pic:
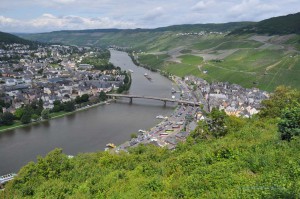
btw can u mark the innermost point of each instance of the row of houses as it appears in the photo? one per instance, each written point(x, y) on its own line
point(50, 73)
point(232, 98)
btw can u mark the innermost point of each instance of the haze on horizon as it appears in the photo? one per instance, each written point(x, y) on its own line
point(50, 15)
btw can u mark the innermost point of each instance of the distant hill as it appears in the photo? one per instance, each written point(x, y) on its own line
point(136, 38)
point(282, 25)
point(9, 38)
point(263, 54)
point(221, 27)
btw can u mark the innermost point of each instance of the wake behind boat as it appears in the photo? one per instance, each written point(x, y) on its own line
point(147, 76)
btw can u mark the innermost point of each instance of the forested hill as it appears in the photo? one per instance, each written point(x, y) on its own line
point(221, 27)
point(252, 158)
point(9, 38)
point(289, 24)
point(143, 38)
point(214, 27)
point(139, 38)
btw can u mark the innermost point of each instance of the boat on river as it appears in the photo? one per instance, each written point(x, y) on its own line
point(147, 76)
point(161, 117)
point(8, 177)
point(142, 131)
point(111, 145)
point(174, 91)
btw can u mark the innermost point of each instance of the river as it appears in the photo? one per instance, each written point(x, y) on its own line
point(92, 129)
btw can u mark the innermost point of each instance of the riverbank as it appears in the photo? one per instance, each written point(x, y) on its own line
point(172, 129)
point(162, 72)
point(53, 116)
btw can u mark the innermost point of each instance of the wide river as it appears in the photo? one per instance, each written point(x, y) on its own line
point(92, 129)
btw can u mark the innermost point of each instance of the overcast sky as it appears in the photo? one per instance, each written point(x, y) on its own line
point(49, 15)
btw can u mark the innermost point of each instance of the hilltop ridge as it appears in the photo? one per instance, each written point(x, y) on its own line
point(282, 25)
point(8, 38)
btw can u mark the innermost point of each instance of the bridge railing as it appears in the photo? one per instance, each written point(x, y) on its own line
point(155, 98)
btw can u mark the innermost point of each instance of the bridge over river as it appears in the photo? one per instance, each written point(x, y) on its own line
point(165, 100)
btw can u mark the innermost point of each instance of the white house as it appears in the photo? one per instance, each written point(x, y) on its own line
point(10, 82)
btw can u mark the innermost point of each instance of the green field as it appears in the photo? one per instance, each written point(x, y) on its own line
point(208, 42)
point(153, 61)
point(249, 66)
point(294, 41)
point(189, 65)
point(265, 69)
point(238, 44)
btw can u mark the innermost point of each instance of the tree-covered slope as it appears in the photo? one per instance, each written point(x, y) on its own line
point(9, 38)
point(249, 160)
point(289, 24)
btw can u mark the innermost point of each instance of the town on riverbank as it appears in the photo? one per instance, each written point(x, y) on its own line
point(52, 80)
point(230, 98)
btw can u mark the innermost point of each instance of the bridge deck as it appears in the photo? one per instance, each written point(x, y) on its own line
point(155, 98)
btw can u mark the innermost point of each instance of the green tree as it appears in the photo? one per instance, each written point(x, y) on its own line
point(19, 113)
point(57, 106)
point(69, 106)
point(282, 98)
point(34, 105)
point(40, 103)
point(217, 124)
point(120, 89)
point(289, 125)
point(26, 118)
point(85, 98)
point(7, 118)
point(35, 117)
point(78, 100)
point(126, 79)
point(46, 114)
point(214, 126)
point(102, 96)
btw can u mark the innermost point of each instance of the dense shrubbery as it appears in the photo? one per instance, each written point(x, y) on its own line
point(65, 106)
point(215, 126)
point(102, 96)
point(127, 83)
point(82, 99)
point(249, 160)
point(100, 61)
point(28, 112)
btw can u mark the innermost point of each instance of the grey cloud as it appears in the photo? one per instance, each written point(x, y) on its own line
point(154, 13)
point(80, 14)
